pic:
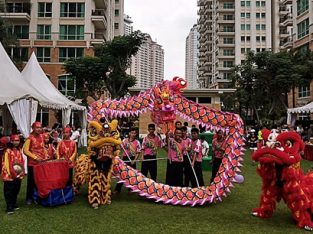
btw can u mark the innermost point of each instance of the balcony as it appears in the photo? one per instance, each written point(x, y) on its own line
point(285, 2)
point(221, 8)
point(18, 13)
point(98, 38)
point(286, 21)
point(99, 19)
point(286, 43)
point(226, 33)
point(283, 11)
point(101, 4)
point(222, 20)
point(283, 33)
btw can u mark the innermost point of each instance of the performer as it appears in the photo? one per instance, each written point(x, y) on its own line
point(218, 150)
point(67, 150)
point(196, 157)
point(175, 162)
point(187, 167)
point(35, 151)
point(132, 148)
point(3, 145)
point(150, 146)
point(12, 173)
point(49, 147)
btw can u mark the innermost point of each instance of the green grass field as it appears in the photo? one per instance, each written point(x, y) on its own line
point(133, 214)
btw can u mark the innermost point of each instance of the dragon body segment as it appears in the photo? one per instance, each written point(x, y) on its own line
point(165, 101)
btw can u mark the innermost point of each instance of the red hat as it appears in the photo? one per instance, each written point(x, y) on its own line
point(14, 137)
point(4, 140)
point(36, 124)
point(67, 130)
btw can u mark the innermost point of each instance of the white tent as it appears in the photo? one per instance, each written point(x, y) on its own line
point(37, 79)
point(292, 112)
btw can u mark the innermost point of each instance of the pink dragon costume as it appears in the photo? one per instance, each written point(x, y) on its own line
point(165, 101)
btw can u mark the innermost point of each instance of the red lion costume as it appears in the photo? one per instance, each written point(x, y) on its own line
point(283, 178)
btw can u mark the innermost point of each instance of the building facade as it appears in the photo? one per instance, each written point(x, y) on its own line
point(228, 29)
point(61, 29)
point(148, 64)
point(191, 62)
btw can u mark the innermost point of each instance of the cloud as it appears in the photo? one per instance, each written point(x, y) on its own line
point(168, 22)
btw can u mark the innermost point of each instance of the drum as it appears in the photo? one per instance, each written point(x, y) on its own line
point(51, 175)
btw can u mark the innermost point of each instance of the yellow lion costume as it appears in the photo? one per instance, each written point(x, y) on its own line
point(95, 168)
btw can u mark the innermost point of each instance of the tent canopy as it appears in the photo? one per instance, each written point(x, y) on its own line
point(37, 79)
point(308, 108)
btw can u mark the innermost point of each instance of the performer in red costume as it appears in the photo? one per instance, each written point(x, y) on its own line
point(35, 151)
point(67, 150)
point(12, 173)
point(49, 147)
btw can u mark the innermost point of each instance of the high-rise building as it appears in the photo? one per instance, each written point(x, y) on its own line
point(148, 64)
point(128, 28)
point(228, 29)
point(191, 63)
point(58, 30)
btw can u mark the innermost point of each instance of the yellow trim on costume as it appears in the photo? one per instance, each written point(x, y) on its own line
point(26, 150)
point(6, 163)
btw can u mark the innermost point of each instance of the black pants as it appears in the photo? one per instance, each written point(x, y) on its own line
point(149, 166)
point(174, 173)
point(11, 189)
point(186, 171)
point(30, 183)
point(118, 186)
point(198, 170)
point(70, 176)
point(215, 166)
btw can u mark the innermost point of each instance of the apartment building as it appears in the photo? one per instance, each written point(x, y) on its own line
point(148, 64)
point(128, 27)
point(228, 29)
point(191, 59)
point(61, 29)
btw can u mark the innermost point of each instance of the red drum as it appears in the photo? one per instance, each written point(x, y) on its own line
point(51, 175)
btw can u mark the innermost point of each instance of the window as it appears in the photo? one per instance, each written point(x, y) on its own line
point(71, 32)
point(243, 26)
point(228, 5)
point(248, 27)
point(257, 4)
point(228, 40)
point(19, 31)
point(248, 50)
point(117, 13)
point(228, 64)
point(303, 28)
point(263, 15)
point(67, 85)
point(263, 38)
point(302, 6)
point(258, 38)
point(227, 76)
point(228, 17)
point(243, 50)
point(43, 31)
point(117, 1)
point(227, 52)
point(243, 3)
point(43, 54)
point(258, 26)
point(67, 53)
point(248, 3)
point(76, 10)
point(304, 91)
point(44, 9)
point(19, 54)
point(243, 15)
point(263, 26)
point(263, 3)
point(243, 39)
point(248, 15)
point(228, 29)
point(248, 38)
point(116, 25)
point(204, 99)
point(18, 7)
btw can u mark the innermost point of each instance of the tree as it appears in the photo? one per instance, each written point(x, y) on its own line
point(107, 70)
point(6, 39)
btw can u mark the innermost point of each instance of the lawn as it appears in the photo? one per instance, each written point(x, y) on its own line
point(133, 214)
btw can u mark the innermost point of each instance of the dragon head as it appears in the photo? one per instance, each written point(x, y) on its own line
point(105, 137)
point(164, 96)
point(282, 149)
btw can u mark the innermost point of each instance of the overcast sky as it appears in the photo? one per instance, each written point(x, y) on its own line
point(168, 22)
